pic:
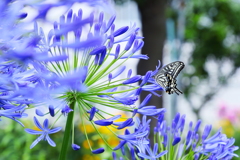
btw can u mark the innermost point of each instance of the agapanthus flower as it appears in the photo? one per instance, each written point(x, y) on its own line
point(43, 131)
point(175, 141)
point(76, 70)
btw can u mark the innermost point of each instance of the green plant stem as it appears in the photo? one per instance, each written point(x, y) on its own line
point(67, 133)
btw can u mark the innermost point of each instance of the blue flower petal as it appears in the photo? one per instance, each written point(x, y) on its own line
point(98, 151)
point(133, 79)
point(103, 122)
point(75, 147)
point(50, 141)
point(39, 112)
point(36, 141)
point(37, 123)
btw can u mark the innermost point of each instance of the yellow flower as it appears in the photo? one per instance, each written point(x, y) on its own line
point(89, 128)
point(85, 144)
point(113, 141)
point(87, 157)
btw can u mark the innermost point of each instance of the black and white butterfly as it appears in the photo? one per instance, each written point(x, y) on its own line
point(166, 77)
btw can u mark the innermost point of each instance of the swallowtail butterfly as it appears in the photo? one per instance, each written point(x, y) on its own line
point(166, 76)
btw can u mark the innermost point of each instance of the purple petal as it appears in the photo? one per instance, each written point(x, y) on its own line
point(151, 112)
point(114, 117)
point(83, 44)
point(51, 110)
point(155, 148)
point(206, 132)
point(53, 58)
point(36, 141)
point(45, 124)
point(50, 141)
point(133, 79)
point(126, 123)
point(152, 87)
point(118, 72)
point(130, 42)
point(31, 131)
point(36, 122)
point(110, 22)
point(146, 77)
point(120, 145)
point(98, 151)
point(137, 46)
point(55, 130)
point(98, 50)
point(39, 112)
point(161, 154)
point(145, 101)
point(129, 73)
point(117, 51)
point(103, 122)
point(197, 126)
point(103, 54)
point(92, 113)
point(120, 31)
point(75, 147)
point(176, 140)
point(66, 110)
point(114, 156)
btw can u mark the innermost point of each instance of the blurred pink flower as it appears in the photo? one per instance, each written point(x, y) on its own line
point(229, 113)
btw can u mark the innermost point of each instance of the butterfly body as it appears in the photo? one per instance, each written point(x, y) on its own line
point(166, 77)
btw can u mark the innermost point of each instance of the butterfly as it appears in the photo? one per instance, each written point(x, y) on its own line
point(166, 77)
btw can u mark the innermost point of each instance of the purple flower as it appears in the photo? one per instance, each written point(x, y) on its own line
point(92, 113)
point(51, 110)
point(107, 122)
point(217, 146)
point(39, 113)
point(98, 151)
point(130, 42)
point(44, 132)
point(70, 68)
point(120, 31)
point(66, 110)
point(13, 112)
point(152, 153)
point(126, 123)
point(75, 147)
point(103, 122)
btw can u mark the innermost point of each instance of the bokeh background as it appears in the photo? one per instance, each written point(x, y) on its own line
point(205, 35)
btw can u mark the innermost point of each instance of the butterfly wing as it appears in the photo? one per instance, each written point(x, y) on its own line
point(161, 78)
point(172, 69)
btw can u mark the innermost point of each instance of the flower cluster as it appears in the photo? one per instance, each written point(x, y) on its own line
point(76, 70)
point(170, 142)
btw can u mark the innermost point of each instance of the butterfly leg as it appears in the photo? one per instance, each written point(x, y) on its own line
point(177, 91)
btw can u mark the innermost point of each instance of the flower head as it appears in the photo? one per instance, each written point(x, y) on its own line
point(43, 131)
point(77, 68)
point(171, 142)
point(171, 138)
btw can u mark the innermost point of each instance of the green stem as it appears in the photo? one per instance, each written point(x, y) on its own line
point(67, 133)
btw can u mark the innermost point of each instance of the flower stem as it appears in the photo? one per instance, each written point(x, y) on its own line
point(67, 133)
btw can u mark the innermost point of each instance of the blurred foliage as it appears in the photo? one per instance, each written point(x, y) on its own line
point(15, 143)
point(212, 30)
point(213, 27)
